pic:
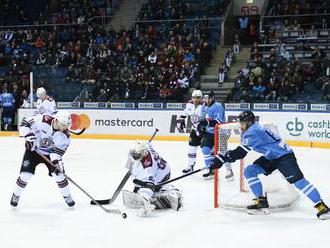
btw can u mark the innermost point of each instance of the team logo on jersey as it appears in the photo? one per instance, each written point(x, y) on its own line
point(46, 142)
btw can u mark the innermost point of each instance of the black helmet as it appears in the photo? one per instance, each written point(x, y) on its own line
point(209, 94)
point(246, 116)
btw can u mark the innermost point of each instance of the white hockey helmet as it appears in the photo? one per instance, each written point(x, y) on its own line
point(138, 150)
point(41, 92)
point(64, 120)
point(197, 94)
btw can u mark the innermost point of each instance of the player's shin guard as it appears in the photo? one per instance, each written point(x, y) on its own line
point(21, 183)
point(308, 190)
point(251, 173)
point(63, 185)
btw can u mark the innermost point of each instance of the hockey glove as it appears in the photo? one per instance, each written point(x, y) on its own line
point(217, 162)
point(201, 127)
point(181, 124)
point(59, 167)
point(29, 141)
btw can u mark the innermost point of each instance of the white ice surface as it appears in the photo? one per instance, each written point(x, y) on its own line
point(43, 220)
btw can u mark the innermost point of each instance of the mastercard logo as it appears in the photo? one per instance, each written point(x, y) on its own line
point(80, 121)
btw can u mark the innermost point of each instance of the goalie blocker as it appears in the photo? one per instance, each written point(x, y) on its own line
point(148, 170)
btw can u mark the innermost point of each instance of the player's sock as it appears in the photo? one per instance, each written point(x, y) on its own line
point(21, 182)
point(192, 153)
point(309, 190)
point(251, 173)
point(63, 185)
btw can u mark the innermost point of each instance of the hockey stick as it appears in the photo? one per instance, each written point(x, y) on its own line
point(183, 176)
point(78, 133)
point(110, 211)
point(122, 183)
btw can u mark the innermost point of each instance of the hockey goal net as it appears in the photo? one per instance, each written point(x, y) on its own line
point(236, 195)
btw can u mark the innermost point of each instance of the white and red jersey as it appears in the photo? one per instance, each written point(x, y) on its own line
point(48, 140)
point(194, 111)
point(46, 106)
point(151, 168)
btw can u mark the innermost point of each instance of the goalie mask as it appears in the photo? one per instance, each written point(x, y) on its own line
point(138, 150)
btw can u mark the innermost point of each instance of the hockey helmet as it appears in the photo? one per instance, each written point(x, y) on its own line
point(246, 116)
point(197, 94)
point(208, 95)
point(41, 92)
point(64, 120)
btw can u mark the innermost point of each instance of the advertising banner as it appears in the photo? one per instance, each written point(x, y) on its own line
point(293, 126)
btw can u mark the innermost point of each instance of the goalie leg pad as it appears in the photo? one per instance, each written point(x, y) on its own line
point(168, 197)
point(139, 201)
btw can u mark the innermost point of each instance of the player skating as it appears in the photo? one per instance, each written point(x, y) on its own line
point(193, 109)
point(276, 156)
point(148, 170)
point(45, 105)
point(49, 136)
point(213, 113)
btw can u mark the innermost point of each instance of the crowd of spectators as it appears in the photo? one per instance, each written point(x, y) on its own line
point(150, 61)
point(282, 75)
point(278, 78)
point(76, 11)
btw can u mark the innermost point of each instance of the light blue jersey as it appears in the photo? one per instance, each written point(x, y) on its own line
point(214, 112)
point(264, 141)
point(7, 99)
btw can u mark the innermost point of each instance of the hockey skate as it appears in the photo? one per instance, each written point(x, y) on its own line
point(323, 211)
point(190, 168)
point(69, 201)
point(209, 174)
point(14, 200)
point(259, 207)
point(229, 175)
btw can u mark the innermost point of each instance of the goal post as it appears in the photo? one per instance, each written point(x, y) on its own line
point(237, 195)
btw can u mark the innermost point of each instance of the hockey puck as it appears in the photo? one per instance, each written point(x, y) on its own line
point(124, 215)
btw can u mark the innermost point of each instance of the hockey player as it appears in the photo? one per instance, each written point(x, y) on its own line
point(193, 109)
point(148, 170)
point(45, 104)
point(49, 136)
point(213, 113)
point(7, 101)
point(277, 155)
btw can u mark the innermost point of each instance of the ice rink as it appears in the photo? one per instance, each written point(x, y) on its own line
point(42, 219)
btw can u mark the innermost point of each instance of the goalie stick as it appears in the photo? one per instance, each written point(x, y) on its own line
point(182, 176)
point(110, 211)
point(121, 185)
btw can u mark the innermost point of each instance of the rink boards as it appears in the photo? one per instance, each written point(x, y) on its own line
point(311, 129)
